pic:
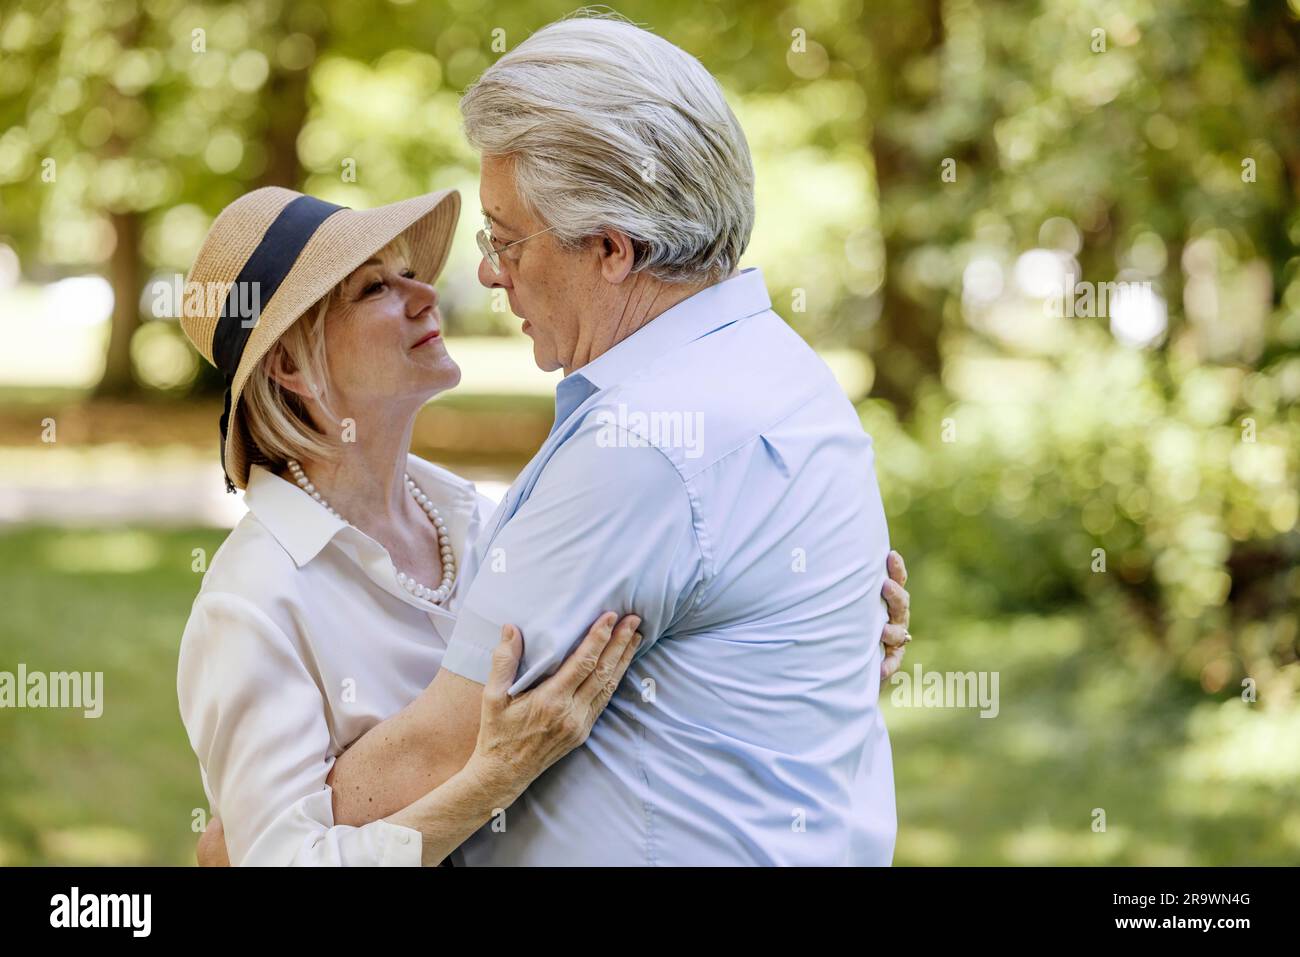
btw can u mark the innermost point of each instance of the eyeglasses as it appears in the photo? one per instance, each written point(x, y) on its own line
point(488, 247)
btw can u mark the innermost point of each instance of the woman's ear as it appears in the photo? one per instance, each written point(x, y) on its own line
point(617, 254)
point(282, 369)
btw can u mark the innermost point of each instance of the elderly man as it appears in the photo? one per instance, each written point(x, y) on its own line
point(704, 467)
point(705, 472)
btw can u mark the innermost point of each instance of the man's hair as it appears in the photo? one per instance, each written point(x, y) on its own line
point(610, 126)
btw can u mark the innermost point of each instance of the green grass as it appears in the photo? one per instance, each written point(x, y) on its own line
point(1182, 778)
point(1078, 730)
point(119, 788)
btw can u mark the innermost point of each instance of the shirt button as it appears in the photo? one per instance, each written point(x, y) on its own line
point(404, 838)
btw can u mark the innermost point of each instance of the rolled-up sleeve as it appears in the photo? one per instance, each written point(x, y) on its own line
point(256, 720)
point(608, 527)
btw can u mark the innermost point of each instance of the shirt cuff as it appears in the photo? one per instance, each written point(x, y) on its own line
point(305, 835)
point(404, 846)
point(470, 652)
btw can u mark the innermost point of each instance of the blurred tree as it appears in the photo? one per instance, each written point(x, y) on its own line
point(125, 268)
point(907, 41)
point(139, 111)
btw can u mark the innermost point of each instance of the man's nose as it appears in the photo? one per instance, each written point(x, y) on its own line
point(489, 277)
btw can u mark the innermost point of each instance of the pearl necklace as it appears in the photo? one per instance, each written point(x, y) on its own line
point(435, 595)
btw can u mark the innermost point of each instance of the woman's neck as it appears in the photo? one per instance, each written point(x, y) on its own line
point(365, 482)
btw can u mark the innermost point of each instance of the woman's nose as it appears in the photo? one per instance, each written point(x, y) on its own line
point(421, 298)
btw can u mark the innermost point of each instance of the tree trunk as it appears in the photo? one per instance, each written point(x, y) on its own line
point(125, 269)
point(286, 100)
point(905, 340)
point(125, 274)
point(286, 95)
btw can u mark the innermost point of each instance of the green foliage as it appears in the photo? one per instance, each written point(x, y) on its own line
point(1108, 475)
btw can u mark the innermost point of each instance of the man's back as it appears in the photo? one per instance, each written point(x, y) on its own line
point(749, 731)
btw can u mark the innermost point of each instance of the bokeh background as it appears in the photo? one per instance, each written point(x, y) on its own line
point(928, 171)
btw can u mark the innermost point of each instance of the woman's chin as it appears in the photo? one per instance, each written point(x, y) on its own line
point(445, 376)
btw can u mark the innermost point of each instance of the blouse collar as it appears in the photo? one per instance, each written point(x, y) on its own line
point(303, 527)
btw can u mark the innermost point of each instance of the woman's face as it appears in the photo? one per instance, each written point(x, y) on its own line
point(383, 337)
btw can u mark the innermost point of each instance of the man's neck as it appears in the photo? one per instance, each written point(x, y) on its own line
point(644, 300)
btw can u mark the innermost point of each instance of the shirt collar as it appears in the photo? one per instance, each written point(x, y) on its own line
point(296, 521)
point(707, 311)
point(303, 527)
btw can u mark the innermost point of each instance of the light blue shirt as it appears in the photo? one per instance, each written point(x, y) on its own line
point(708, 474)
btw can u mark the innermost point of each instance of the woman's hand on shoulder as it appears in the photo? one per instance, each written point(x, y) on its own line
point(521, 737)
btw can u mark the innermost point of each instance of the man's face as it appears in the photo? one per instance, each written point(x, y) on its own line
point(552, 289)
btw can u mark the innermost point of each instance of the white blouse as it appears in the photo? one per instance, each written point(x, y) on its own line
point(300, 640)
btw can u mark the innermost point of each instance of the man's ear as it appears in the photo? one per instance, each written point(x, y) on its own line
point(282, 369)
point(616, 255)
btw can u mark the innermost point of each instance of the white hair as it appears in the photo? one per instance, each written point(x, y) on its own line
point(611, 127)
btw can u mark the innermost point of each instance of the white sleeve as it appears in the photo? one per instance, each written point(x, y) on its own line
point(256, 720)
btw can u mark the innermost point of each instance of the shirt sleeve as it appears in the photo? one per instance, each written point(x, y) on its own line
point(256, 721)
point(608, 527)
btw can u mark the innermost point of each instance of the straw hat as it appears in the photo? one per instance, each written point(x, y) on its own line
point(273, 253)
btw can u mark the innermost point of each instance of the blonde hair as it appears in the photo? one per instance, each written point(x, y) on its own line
point(279, 424)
